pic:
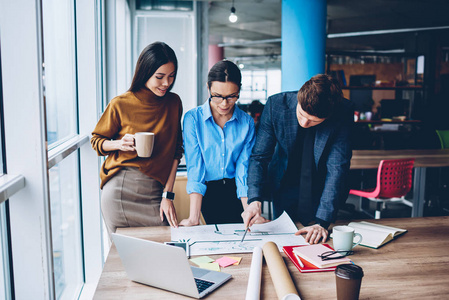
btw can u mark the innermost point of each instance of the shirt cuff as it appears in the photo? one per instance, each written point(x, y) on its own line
point(242, 192)
point(322, 223)
point(196, 187)
point(254, 199)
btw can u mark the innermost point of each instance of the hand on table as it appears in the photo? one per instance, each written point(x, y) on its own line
point(314, 233)
point(168, 209)
point(189, 222)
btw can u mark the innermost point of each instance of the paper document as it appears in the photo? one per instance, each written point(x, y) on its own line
point(225, 238)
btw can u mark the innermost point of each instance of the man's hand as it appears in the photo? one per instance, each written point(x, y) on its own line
point(313, 233)
point(252, 214)
point(168, 209)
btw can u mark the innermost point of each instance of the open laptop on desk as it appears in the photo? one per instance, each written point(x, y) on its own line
point(165, 267)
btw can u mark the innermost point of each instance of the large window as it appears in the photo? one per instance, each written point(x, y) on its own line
point(5, 285)
point(59, 62)
point(65, 224)
point(59, 56)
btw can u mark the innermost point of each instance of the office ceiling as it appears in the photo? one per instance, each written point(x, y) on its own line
point(255, 38)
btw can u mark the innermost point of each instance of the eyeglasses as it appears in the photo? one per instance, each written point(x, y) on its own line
point(328, 255)
point(219, 99)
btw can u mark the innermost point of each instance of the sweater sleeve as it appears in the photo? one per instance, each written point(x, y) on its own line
point(106, 129)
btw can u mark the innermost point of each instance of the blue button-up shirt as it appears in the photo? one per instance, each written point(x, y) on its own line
point(213, 153)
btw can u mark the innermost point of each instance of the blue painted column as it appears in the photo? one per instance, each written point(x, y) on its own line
point(303, 41)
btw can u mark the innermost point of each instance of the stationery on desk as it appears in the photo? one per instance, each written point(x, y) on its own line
point(375, 235)
point(305, 265)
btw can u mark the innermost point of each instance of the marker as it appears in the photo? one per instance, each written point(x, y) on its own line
point(299, 260)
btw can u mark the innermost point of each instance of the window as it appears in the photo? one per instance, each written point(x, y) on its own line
point(5, 285)
point(51, 69)
point(59, 65)
point(60, 95)
point(66, 225)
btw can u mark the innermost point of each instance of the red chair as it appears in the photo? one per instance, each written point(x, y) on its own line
point(394, 181)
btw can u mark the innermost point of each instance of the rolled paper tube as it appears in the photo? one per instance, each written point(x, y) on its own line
point(283, 283)
point(255, 275)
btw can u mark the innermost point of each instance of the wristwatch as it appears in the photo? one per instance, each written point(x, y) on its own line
point(168, 195)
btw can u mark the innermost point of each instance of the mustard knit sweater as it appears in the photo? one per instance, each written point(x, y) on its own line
point(141, 111)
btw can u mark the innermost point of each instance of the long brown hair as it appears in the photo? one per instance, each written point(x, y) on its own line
point(152, 57)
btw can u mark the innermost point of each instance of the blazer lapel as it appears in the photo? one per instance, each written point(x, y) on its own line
point(291, 124)
point(321, 137)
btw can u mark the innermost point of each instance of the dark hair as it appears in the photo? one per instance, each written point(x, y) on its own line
point(320, 95)
point(225, 71)
point(152, 57)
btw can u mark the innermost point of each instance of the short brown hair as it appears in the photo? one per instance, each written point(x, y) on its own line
point(320, 95)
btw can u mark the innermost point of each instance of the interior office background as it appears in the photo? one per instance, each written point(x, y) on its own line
point(61, 62)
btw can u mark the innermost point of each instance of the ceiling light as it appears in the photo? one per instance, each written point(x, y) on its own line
point(233, 17)
point(241, 66)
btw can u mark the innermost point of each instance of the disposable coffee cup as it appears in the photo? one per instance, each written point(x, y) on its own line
point(348, 280)
point(144, 143)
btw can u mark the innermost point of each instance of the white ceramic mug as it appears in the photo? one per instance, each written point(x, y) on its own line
point(144, 143)
point(343, 237)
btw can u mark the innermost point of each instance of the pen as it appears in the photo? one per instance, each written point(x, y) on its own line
point(244, 235)
point(299, 261)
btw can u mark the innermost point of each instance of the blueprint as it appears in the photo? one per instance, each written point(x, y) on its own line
point(225, 238)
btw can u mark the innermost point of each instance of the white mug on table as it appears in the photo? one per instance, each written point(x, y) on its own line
point(343, 237)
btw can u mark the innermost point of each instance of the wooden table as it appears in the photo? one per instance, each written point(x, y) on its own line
point(414, 266)
point(369, 159)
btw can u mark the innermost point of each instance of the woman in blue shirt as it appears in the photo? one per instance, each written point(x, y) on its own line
point(218, 138)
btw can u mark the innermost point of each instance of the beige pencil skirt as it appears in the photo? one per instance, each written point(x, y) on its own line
point(131, 199)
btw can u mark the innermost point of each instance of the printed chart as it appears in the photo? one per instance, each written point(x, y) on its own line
point(225, 238)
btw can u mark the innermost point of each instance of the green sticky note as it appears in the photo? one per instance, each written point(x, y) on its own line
point(202, 260)
point(210, 266)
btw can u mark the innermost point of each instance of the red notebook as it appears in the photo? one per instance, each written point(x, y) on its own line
point(308, 267)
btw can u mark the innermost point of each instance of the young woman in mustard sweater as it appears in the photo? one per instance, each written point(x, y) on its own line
point(135, 188)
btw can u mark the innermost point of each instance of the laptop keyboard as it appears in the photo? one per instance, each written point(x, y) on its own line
point(202, 284)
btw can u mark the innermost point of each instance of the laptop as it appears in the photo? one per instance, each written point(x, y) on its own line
point(165, 267)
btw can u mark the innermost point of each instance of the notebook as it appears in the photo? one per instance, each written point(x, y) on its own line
point(375, 235)
point(165, 267)
point(308, 267)
point(311, 254)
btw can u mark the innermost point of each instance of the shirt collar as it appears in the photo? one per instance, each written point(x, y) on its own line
point(207, 113)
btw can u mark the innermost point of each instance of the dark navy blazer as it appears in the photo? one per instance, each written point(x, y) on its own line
point(274, 146)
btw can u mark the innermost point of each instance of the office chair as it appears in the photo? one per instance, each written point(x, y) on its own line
point(394, 181)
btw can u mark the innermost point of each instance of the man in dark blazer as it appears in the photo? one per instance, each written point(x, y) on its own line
point(302, 156)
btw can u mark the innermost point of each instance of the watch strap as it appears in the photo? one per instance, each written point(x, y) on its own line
point(168, 195)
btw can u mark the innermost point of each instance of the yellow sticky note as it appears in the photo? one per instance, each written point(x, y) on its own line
point(210, 266)
point(238, 259)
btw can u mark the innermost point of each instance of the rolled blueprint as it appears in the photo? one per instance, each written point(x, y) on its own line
point(283, 283)
point(255, 275)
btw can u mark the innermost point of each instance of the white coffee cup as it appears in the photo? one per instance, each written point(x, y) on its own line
point(343, 237)
point(144, 143)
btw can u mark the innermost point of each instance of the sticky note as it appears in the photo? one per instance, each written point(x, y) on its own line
point(210, 266)
point(201, 260)
point(225, 261)
point(238, 259)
